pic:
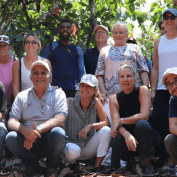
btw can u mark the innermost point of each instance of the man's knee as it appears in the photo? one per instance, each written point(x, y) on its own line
point(170, 140)
point(143, 126)
point(11, 140)
point(3, 131)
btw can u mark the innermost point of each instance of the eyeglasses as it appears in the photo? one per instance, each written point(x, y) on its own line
point(170, 86)
point(100, 32)
point(36, 73)
point(28, 42)
point(4, 38)
point(166, 17)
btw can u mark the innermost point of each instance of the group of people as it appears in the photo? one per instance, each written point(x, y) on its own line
point(60, 111)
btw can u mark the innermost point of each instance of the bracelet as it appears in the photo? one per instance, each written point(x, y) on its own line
point(122, 120)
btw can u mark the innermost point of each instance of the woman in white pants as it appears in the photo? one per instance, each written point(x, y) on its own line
point(80, 125)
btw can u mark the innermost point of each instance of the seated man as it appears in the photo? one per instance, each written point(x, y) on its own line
point(3, 130)
point(131, 132)
point(170, 80)
point(37, 119)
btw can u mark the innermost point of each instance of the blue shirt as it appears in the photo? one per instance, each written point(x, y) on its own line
point(67, 68)
point(91, 60)
point(149, 64)
point(172, 107)
point(28, 108)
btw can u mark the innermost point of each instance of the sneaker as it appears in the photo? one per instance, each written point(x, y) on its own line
point(166, 169)
point(148, 170)
point(51, 172)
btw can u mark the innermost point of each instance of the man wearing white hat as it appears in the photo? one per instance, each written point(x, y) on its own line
point(36, 122)
point(170, 80)
point(91, 55)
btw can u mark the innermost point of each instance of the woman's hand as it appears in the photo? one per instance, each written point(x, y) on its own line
point(114, 131)
point(104, 96)
point(85, 130)
point(130, 141)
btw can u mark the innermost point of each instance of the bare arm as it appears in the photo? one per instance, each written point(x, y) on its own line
point(145, 78)
point(57, 121)
point(145, 100)
point(1, 116)
point(173, 125)
point(175, 2)
point(15, 78)
point(155, 70)
point(103, 91)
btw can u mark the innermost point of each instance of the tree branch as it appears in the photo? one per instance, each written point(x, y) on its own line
point(4, 5)
point(27, 16)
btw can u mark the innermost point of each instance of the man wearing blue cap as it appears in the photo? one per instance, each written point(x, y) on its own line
point(164, 57)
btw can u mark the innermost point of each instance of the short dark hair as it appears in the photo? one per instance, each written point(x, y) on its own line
point(64, 20)
point(159, 24)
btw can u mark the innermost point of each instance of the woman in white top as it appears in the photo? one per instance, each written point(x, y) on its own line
point(32, 45)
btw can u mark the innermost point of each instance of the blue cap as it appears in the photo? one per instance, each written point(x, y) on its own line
point(173, 11)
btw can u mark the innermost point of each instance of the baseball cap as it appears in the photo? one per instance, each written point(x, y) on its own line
point(131, 40)
point(101, 26)
point(4, 39)
point(169, 71)
point(43, 63)
point(90, 80)
point(173, 11)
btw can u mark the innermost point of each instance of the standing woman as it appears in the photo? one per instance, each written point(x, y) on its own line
point(6, 63)
point(164, 57)
point(32, 45)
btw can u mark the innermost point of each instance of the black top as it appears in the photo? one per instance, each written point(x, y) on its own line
point(3, 101)
point(129, 105)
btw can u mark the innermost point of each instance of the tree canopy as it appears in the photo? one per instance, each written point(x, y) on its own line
point(20, 17)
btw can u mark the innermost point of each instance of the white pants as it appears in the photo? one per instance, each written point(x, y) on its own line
point(98, 145)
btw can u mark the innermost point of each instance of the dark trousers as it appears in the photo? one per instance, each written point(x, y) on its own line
point(159, 119)
point(143, 134)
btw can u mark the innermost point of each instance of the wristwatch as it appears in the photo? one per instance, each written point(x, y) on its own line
point(39, 128)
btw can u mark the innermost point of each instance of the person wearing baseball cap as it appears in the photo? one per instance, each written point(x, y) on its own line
point(164, 57)
point(91, 55)
point(36, 122)
point(81, 123)
point(169, 79)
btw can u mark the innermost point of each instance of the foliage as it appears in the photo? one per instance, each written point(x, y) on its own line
point(20, 17)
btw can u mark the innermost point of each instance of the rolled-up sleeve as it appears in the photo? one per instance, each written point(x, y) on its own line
point(61, 106)
point(141, 63)
point(100, 65)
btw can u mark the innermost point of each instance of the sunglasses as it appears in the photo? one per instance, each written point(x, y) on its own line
point(33, 42)
point(166, 17)
point(4, 38)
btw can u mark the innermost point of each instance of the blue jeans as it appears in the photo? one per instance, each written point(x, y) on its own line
point(3, 132)
point(50, 146)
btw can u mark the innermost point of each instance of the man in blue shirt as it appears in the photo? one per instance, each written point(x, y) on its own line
point(66, 60)
point(91, 55)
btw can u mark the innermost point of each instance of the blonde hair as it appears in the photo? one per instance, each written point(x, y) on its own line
point(122, 25)
point(126, 66)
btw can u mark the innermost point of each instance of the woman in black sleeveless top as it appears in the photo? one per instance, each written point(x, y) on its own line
point(131, 132)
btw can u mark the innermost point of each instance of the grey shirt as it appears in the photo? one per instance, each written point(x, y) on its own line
point(28, 108)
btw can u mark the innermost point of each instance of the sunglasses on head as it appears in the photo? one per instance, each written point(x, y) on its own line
point(4, 38)
point(166, 17)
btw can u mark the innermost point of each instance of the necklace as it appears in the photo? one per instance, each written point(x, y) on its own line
point(84, 110)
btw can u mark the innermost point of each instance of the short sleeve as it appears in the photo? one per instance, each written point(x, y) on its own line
point(172, 107)
point(100, 65)
point(16, 110)
point(61, 106)
point(141, 63)
point(3, 100)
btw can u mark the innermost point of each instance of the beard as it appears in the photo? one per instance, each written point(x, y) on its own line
point(64, 37)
